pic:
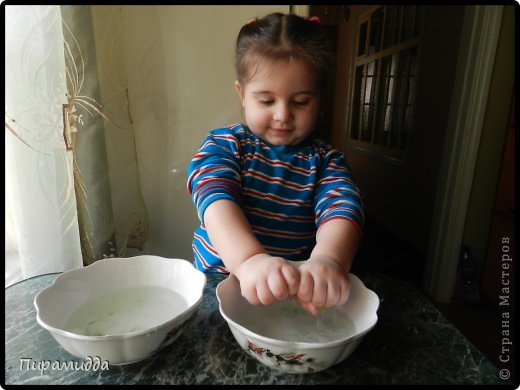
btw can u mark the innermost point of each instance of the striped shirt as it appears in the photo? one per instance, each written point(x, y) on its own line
point(285, 192)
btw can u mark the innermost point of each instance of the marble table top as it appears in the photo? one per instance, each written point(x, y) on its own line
point(412, 343)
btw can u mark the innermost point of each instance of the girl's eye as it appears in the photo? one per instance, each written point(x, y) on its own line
point(301, 102)
point(265, 102)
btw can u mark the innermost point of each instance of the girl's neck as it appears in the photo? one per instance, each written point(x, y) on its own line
point(285, 149)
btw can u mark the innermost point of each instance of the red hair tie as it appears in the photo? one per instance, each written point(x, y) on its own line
point(315, 19)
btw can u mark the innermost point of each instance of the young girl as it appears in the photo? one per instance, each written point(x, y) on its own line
point(266, 191)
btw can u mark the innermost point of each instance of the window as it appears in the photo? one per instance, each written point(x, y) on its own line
point(385, 80)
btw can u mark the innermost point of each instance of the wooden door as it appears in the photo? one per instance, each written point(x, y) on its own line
point(498, 273)
point(393, 137)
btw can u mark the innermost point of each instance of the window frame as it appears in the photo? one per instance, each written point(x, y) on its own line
point(361, 59)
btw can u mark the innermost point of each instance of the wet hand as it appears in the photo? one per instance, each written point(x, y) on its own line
point(323, 283)
point(265, 279)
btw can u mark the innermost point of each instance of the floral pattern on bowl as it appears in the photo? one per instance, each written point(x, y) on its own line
point(290, 359)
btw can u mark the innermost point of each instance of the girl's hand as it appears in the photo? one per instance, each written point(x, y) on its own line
point(323, 283)
point(265, 279)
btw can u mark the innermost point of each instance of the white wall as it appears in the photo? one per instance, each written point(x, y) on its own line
point(180, 73)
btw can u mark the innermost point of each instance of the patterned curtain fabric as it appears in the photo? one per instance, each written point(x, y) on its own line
point(69, 139)
point(110, 206)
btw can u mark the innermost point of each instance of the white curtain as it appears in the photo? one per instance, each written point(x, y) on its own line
point(41, 234)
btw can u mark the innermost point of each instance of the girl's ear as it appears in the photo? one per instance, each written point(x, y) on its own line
point(240, 91)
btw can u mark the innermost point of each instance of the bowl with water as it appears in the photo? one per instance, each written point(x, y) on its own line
point(121, 310)
point(285, 337)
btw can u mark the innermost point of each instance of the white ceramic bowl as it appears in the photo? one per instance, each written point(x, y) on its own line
point(285, 337)
point(121, 310)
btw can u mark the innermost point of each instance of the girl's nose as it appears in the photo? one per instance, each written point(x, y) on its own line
point(282, 113)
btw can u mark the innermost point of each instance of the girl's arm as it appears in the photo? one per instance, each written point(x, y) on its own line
point(338, 239)
point(339, 216)
point(231, 234)
point(263, 278)
point(324, 276)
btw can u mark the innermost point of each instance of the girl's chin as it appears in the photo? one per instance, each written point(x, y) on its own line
point(279, 142)
point(279, 137)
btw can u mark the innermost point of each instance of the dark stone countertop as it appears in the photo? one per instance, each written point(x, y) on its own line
point(412, 343)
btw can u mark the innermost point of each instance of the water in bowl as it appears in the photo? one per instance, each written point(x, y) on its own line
point(285, 320)
point(126, 310)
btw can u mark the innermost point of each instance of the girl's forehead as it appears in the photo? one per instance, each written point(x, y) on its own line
point(267, 69)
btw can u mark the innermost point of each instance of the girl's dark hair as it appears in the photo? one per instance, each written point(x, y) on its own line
point(283, 37)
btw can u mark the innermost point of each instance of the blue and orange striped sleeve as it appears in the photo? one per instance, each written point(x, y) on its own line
point(214, 172)
point(337, 196)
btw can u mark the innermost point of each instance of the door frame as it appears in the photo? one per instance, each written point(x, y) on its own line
point(478, 44)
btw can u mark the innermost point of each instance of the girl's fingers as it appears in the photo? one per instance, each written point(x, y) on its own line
point(320, 292)
point(345, 291)
point(292, 279)
point(333, 293)
point(250, 294)
point(277, 285)
point(306, 287)
point(309, 307)
point(263, 292)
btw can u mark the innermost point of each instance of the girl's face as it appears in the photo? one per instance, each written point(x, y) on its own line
point(281, 102)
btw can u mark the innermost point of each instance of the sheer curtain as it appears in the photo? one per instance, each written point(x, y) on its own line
point(41, 219)
point(72, 180)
